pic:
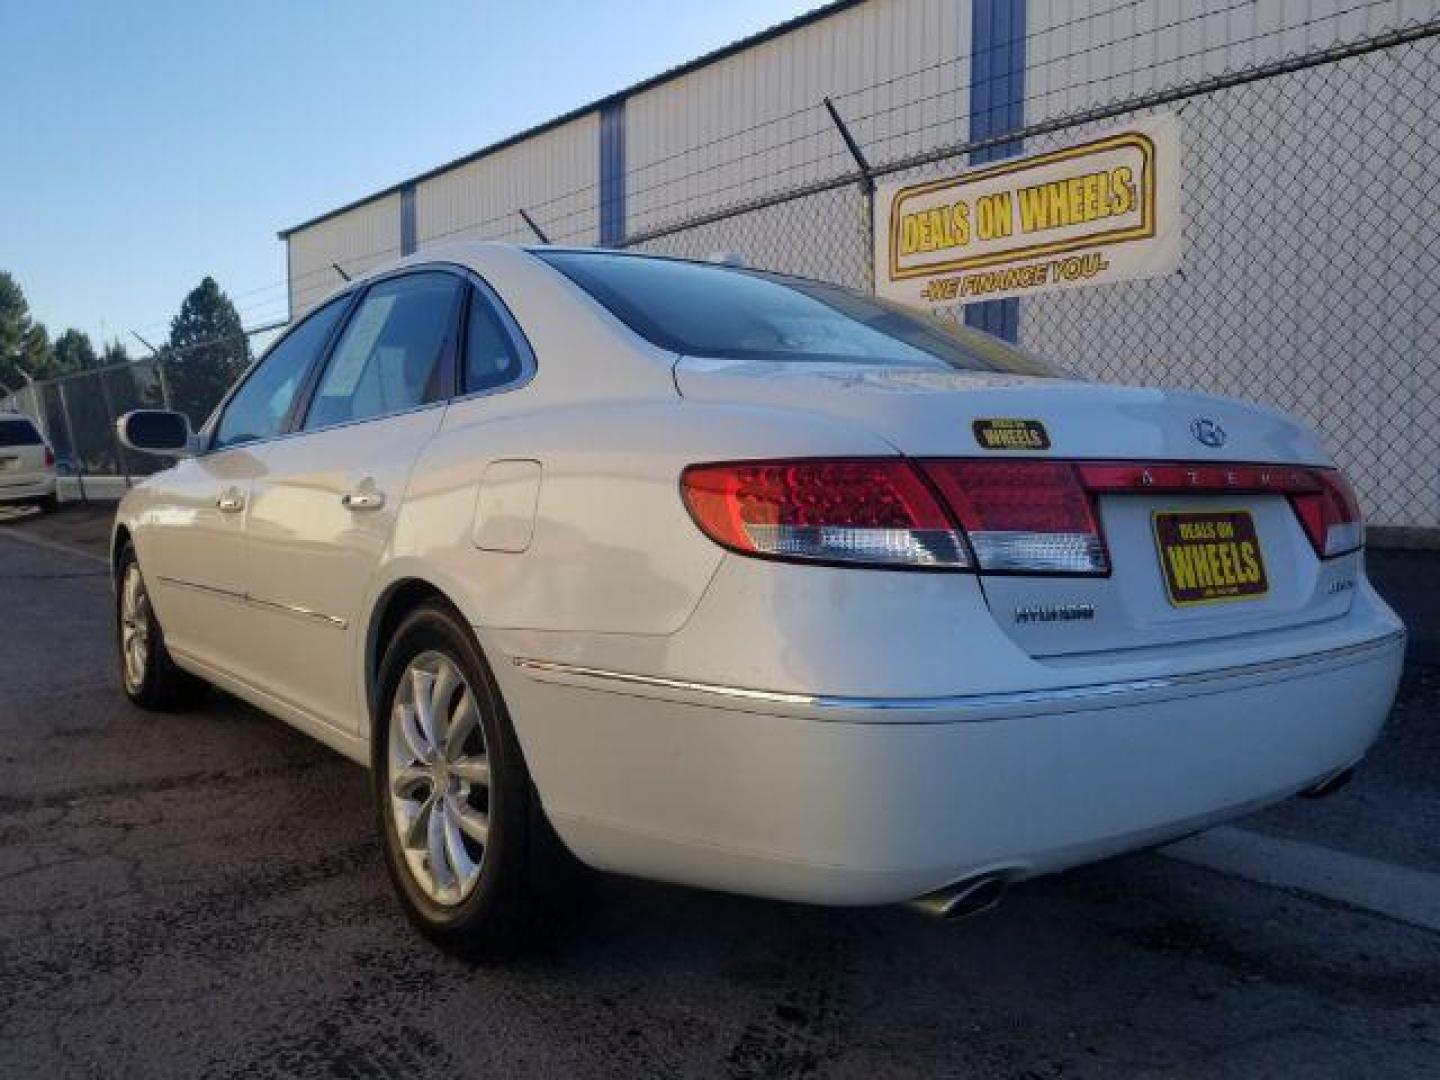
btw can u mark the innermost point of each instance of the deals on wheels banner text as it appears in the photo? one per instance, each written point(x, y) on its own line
point(1104, 210)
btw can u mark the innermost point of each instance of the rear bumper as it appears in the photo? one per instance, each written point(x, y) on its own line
point(860, 801)
point(26, 489)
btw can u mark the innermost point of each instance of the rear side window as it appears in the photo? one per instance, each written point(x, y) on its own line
point(18, 431)
point(709, 310)
point(259, 408)
point(389, 357)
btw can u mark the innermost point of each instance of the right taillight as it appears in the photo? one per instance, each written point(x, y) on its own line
point(1330, 514)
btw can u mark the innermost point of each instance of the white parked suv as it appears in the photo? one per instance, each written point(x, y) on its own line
point(27, 464)
point(748, 582)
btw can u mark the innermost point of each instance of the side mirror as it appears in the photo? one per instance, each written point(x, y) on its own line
point(156, 431)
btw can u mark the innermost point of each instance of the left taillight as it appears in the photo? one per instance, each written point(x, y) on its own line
point(853, 512)
point(49, 458)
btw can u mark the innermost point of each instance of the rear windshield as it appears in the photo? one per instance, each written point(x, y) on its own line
point(18, 431)
point(703, 309)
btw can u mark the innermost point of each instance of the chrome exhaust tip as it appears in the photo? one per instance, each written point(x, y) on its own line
point(1330, 785)
point(972, 896)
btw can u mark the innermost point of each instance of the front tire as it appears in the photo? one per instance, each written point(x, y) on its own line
point(147, 672)
point(453, 799)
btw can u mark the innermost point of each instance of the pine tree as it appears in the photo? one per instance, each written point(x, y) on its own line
point(207, 351)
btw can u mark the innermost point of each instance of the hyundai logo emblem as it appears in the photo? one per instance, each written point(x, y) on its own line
point(1207, 431)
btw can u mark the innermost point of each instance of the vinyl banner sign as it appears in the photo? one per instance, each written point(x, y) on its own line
point(1104, 210)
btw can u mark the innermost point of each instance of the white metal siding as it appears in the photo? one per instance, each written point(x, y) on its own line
point(753, 123)
point(553, 176)
point(357, 239)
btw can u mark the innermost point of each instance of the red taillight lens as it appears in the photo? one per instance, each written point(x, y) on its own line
point(49, 457)
point(1023, 516)
point(1330, 515)
point(877, 513)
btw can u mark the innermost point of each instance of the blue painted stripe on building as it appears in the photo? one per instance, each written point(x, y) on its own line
point(997, 105)
point(612, 174)
point(407, 219)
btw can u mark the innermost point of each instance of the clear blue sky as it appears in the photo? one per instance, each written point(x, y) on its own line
point(147, 144)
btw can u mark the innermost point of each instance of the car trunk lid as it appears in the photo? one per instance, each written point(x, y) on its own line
point(1206, 552)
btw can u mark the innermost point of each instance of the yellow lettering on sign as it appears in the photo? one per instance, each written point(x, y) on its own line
point(936, 228)
point(1182, 567)
point(1077, 199)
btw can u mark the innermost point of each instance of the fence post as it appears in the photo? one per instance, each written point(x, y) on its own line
point(867, 189)
point(120, 459)
point(70, 439)
point(539, 232)
point(164, 383)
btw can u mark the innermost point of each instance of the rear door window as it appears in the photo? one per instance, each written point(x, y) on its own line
point(390, 356)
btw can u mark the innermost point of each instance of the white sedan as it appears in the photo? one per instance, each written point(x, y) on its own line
point(747, 582)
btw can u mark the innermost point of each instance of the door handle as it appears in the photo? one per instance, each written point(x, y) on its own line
point(230, 501)
point(363, 498)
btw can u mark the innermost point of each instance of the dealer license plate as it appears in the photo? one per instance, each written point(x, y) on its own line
point(1209, 556)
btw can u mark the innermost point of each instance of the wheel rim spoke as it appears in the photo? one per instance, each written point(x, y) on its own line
point(463, 868)
point(409, 780)
point(405, 718)
point(471, 822)
point(473, 770)
point(465, 720)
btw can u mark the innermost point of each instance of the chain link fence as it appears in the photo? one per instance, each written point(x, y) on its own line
point(1310, 278)
point(77, 412)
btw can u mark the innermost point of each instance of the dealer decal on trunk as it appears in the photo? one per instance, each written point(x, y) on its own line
point(1011, 434)
point(1209, 556)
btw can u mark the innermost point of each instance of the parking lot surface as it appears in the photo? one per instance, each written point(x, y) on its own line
point(200, 894)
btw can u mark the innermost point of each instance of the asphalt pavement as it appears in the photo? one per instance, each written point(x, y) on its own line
point(200, 895)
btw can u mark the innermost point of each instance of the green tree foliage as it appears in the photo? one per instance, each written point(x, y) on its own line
point(207, 351)
point(24, 343)
point(72, 352)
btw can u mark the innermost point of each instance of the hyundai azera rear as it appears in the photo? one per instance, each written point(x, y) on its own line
point(749, 582)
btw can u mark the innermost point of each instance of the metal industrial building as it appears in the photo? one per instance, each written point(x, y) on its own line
point(1310, 157)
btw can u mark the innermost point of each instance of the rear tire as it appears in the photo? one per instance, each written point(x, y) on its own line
point(48, 504)
point(148, 674)
point(466, 844)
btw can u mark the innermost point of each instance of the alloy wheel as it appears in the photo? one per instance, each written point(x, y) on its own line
point(438, 778)
point(135, 627)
